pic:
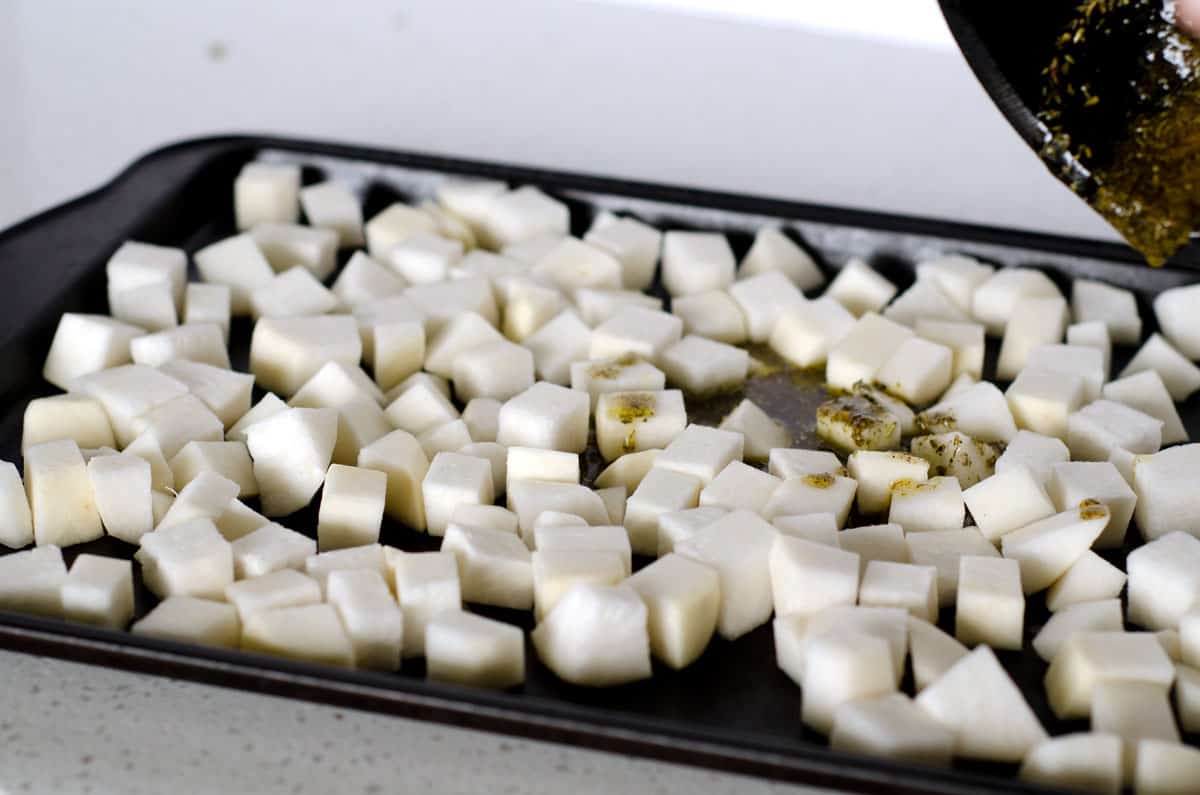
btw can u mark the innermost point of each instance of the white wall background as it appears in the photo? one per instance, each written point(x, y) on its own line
point(863, 103)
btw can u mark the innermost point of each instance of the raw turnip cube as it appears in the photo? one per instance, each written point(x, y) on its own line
point(467, 649)
point(965, 341)
point(559, 346)
point(628, 470)
point(1084, 761)
point(1114, 307)
point(270, 548)
point(990, 605)
point(1181, 376)
point(348, 392)
point(643, 332)
point(1101, 616)
point(763, 299)
point(596, 636)
point(293, 292)
point(807, 577)
point(1187, 697)
point(738, 546)
point(69, 416)
point(572, 263)
point(888, 584)
point(804, 336)
point(237, 521)
point(16, 523)
point(390, 310)
point(424, 257)
point(860, 289)
point(311, 633)
point(496, 370)
point(957, 455)
point(943, 549)
point(372, 620)
point(1094, 430)
point(532, 463)
point(876, 473)
point(352, 505)
point(207, 497)
point(363, 280)
point(995, 300)
point(924, 299)
point(683, 599)
point(224, 392)
point(627, 422)
point(186, 619)
point(121, 485)
point(702, 452)
point(1035, 452)
point(482, 416)
point(459, 334)
point(1085, 362)
point(151, 306)
point(519, 215)
point(883, 542)
point(774, 251)
point(1164, 580)
point(936, 504)
point(1073, 482)
point(468, 199)
point(1042, 400)
point(958, 276)
point(268, 407)
point(332, 205)
point(1092, 335)
point(370, 556)
point(1165, 768)
point(760, 433)
point(400, 457)
point(136, 265)
point(614, 502)
point(980, 411)
point(893, 727)
point(146, 448)
point(1007, 501)
point(1135, 712)
point(187, 559)
point(843, 666)
point(528, 306)
point(1174, 308)
point(291, 453)
point(977, 700)
point(444, 301)
point(446, 438)
point(209, 303)
point(794, 632)
point(796, 462)
point(858, 422)
point(489, 517)
point(602, 538)
point(693, 262)
point(1089, 579)
point(661, 491)
point(1189, 637)
point(635, 245)
point(712, 314)
point(1146, 392)
point(529, 499)
point(177, 422)
point(1034, 322)
point(626, 373)
point(287, 351)
point(864, 349)
point(427, 585)
point(266, 192)
point(820, 528)
point(61, 499)
point(1048, 547)
point(85, 344)
point(420, 408)
point(395, 224)
point(231, 460)
point(282, 588)
point(237, 263)
point(740, 486)
point(1166, 499)
point(821, 493)
point(675, 526)
point(1088, 659)
point(546, 416)
point(32, 581)
point(557, 570)
point(454, 479)
point(701, 366)
point(933, 652)
point(556, 519)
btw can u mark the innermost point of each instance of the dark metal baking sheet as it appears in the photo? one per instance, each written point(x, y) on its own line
point(733, 710)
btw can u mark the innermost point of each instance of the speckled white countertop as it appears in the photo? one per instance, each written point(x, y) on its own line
point(71, 728)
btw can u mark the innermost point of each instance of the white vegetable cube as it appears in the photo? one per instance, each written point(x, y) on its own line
point(266, 192)
point(674, 526)
point(454, 479)
point(794, 633)
point(990, 605)
point(352, 503)
point(230, 460)
point(1092, 335)
point(1165, 767)
point(519, 215)
point(467, 649)
point(528, 306)
point(312, 633)
point(494, 566)
point(1164, 580)
point(760, 433)
point(547, 416)
point(99, 591)
point(371, 556)
point(841, 667)
point(1135, 712)
point(186, 559)
point(282, 588)
point(936, 504)
point(805, 336)
point(285, 352)
point(400, 457)
point(1115, 307)
point(237, 263)
point(1071, 483)
point(557, 570)
point(627, 422)
point(558, 346)
point(186, 619)
point(86, 344)
point(643, 332)
point(393, 225)
point(888, 584)
point(61, 499)
point(151, 306)
point(293, 292)
point(571, 263)
point(1083, 361)
point(965, 340)
point(427, 585)
point(773, 251)
point(444, 301)
point(179, 421)
point(424, 257)
point(529, 499)
point(1032, 323)
point(763, 299)
point(1101, 616)
point(958, 277)
point(1042, 400)
point(267, 407)
point(865, 348)
point(978, 701)
point(135, 265)
point(712, 314)
point(363, 280)
point(578, 537)
point(1181, 376)
point(740, 486)
point(883, 542)
point(488, 517)
point(1084, 761)
point(933, 652)
point(807, 577)
point(701, 366)
point(1146, 392)
point(236, 521)
point(532, 463)
point(456, 335)
point(209, 303)
point(614, 499)
point(1097, 428)
point(1187, 697)
point(660, 491)
point(597, 304)
point(419, 408)
point(917, 371)
point(332, 205)
point(628, 470)
point(892, 727)
point(683, 597)
point(820, 493)
point(693, 262)
point(16, 522)
point(1034, 451)
point(69, 416)
point(1089, 579)
point(497, 370)
point(1007, 501)
point(468, 199)
point(877, 472)
point(596, 636)
point(943, 549)
point(291, 452)
point(979, 410)
point(121, 486)
point(370, 616)
point(738, 546)
point(994, 300)
point(1048, 547)
point(1174, 309)
point(860, 289)
point(625, 373)
point(924, 299)
point(820, 528)
point(482, 416)
point(796, 462)
point(31, 581)
point(226, 393)
point(270, 548)
point(1166, 499)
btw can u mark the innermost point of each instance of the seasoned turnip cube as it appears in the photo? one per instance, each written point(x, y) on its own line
point(1089, 579)
point(1035, 452)
point(807, 577)
point(860, 289)
point(1034, 322)
point(675, 526)
point(312, 633)
point(774, 251)
point(958, 276)
point(933, 652)
point(332, 205)
point(957, 455)
point(1113, 306)
point(858, 422)
point(702, 366)
point(1094, 430)
point(843, 666)
point(282, 588)
point(702, 452)
point(888, 584)
point(891, 726)
point(820, 528)
point(822, 493)
point(187, 559)
point(266, 192)
point(237, 263)
point(1164, 767)
point(876, 473)
point(547, 416)
point(626, 373)
point(633, 243)
point(85, 344)
point(494, 567)
point(285, 352)
point(990, 605)
point(995, 300)
point(980, 411)
point(519, 215)
point(628, 470)
point(1084, 761)
point(121, 488)
point(596, 636)
point(661, 491)
point(936, 504)
point(793, 463)
point(1101, 616)
point(370, 616)
point(1088, 659)
point(712, 314)
point(1181, 376)
point(738, 546)
point(804, 336)
point(1007, 501)
point(32, 581)
point(61, 499)
point(291, 453)
point(865, 348)
point(965, 341)
point(943, 549)
point(765, 298)
point(693, 262)
point(1146, 392)
point(1073, 482)
point(230, 460)
point(740, 486)
point(760, 433)
point(627, 422)
point(467, 649)
point(1048, 547)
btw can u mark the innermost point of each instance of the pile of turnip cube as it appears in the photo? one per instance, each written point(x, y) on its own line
point(451, 373)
